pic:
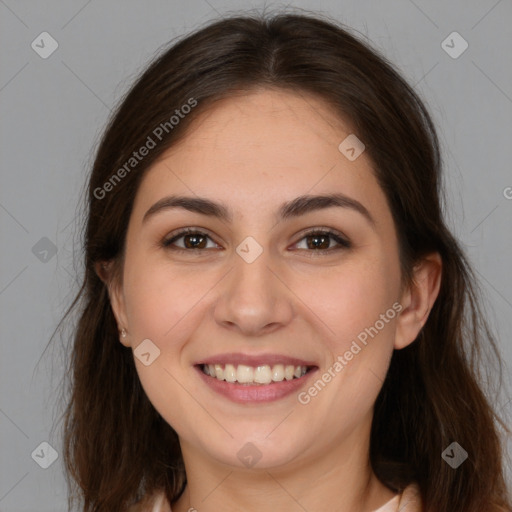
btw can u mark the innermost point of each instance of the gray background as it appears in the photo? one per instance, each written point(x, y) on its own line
point(53, 110)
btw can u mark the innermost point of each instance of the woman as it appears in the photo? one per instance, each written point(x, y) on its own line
point(274, 311)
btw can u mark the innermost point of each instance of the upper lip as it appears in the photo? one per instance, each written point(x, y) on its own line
point(254, 360)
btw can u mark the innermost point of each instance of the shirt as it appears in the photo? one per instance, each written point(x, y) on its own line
point(407, 501)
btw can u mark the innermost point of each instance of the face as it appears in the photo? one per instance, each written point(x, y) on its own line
point(263, 285)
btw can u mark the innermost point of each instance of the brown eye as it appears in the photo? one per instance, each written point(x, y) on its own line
point(194, 241)
point(320, 241)
point(317, 241)
point(190, 240)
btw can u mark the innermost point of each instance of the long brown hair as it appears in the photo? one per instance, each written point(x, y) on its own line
point(117, 448)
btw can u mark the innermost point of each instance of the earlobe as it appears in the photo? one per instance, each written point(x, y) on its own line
point(418, 299)
point(115, 293)
point(101, 268)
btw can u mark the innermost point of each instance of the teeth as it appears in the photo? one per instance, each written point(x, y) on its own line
point(219, 372)
point(263, 375)
point(278, 373)
point(230, 373)
point(288, 372)
point(244, 374)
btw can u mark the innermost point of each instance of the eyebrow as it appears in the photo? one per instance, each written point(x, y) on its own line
point(299, 206)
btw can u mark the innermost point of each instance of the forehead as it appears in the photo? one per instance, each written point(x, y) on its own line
point(258, 148)
point(271, 121)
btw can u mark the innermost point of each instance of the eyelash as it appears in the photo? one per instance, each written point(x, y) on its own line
point(335, 235)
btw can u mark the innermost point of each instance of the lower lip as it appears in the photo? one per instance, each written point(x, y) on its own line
point(242, 393)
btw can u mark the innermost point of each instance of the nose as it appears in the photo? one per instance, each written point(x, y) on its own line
point(253, 298)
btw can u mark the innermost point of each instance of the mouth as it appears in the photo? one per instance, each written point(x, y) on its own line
point(261, 375)
point(247, 379)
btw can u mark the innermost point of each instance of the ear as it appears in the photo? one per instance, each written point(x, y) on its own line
point(417, 299)
point(115, 292)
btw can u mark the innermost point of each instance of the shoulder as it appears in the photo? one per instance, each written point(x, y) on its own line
point(410, 499)
point(155, 503)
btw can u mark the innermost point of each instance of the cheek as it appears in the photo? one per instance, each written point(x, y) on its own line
point(364, 319)
point(356, 303)
point(350, 299)
point(164, 306)
point(159, 298)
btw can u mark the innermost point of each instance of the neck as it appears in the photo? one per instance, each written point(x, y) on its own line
point(340, 476)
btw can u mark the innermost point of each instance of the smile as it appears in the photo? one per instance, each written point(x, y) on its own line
point(251, 379)
point(249, 375)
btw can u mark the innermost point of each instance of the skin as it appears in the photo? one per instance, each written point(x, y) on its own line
point(253, 152)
